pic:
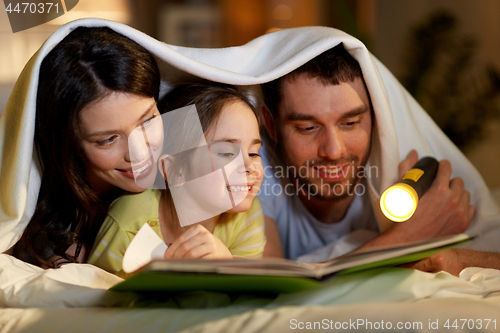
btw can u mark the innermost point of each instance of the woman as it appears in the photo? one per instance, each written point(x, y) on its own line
point(95, 87)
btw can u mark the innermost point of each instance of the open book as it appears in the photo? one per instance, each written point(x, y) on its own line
point(251, 275)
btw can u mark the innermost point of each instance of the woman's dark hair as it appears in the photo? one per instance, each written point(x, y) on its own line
point(209, 98)
point(86, 66)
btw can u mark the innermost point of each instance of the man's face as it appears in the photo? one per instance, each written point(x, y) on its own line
point(325, 132)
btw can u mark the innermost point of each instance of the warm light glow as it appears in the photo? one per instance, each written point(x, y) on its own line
point(282, 13)
point(273, 29)
point(398, 203)
point(116, 16)
point(114, 10)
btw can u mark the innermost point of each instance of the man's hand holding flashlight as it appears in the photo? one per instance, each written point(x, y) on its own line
point(444, 209)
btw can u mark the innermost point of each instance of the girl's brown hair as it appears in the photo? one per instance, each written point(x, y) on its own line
point(209, 98)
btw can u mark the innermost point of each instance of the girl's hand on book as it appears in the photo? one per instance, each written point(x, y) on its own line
point(197, 242)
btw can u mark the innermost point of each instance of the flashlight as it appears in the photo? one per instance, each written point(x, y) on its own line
point(399, 202)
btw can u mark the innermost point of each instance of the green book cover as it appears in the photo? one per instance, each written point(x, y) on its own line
point(273, 275)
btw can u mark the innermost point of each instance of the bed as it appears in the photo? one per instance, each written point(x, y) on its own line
point(389, 298)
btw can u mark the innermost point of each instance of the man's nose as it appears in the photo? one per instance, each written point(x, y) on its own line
point(332, 145)
point(138, 147)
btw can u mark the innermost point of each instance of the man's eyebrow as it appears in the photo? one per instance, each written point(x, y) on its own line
point(296, 116)
point(153, 105)
point(356, 112)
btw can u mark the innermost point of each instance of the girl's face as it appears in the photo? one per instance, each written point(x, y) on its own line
point(104, 130)
point(235, 133)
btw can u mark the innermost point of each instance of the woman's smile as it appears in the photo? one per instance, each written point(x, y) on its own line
point(140, 170)
point(136, 127)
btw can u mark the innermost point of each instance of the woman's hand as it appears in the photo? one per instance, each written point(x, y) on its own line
point(197, 242)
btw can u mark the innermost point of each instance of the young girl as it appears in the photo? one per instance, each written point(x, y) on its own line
point(194, 191)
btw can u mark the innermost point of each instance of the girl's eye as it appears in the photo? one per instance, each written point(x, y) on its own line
point(107, 141)
point(226, 155)
point(254, 155)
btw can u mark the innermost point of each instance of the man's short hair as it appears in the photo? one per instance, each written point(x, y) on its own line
point(334, 66)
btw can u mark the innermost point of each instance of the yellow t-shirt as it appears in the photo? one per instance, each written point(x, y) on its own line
point(242, 233)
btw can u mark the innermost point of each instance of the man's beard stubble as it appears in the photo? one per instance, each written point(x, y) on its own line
point(308, 184)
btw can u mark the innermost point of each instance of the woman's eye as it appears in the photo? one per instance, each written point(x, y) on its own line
point(149, 121)
point(254, 155)
point(107, 141)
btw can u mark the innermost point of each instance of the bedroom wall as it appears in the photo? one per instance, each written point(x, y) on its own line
point(17, 48)
point(479, 19)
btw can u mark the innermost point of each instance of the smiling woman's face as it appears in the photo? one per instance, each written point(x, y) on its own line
point(104, 130)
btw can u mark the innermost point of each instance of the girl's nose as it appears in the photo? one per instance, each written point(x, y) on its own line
point(247, 166)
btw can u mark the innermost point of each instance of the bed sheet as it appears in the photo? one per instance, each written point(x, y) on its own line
point(361, 301)
point(411, 317)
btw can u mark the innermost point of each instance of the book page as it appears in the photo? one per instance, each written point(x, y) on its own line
point(145, 247)
point(378, 254)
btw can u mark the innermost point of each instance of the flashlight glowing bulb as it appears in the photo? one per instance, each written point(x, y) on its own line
point(399, 202)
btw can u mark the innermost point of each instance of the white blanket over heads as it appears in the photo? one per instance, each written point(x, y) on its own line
point(401, 124)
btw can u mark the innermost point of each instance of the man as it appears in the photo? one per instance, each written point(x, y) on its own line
point(321, 128)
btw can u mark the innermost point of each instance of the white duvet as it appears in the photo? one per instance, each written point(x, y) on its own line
point(401, 125)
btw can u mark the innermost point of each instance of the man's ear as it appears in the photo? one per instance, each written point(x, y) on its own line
point(269, 123)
